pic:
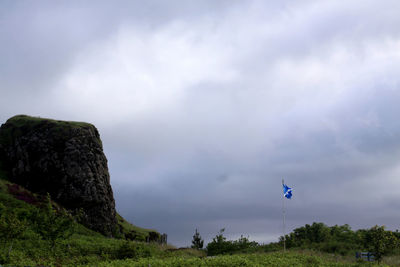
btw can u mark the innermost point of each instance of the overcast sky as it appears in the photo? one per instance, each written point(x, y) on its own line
point(204, 106)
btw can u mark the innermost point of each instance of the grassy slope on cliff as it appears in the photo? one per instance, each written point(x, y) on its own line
point(83, 246)
point(29, 121)
point(134, 232)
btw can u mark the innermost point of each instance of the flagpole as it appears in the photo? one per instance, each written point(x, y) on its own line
point(283, 213)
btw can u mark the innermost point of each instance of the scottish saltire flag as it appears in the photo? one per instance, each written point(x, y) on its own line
point(287, 191)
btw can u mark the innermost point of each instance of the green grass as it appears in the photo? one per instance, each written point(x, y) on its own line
point(294, 259)
point(84, 246)
point(20, 124)
point(10, 201)
point(24, 120)
point(130, 230)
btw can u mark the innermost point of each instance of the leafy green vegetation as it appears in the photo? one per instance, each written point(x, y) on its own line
point(50, 225)
point(381, 242)
point(342, 240)
point(339, 241)
point(220, 246)
point(11, 229)
point(36, 231)
point(294, 259)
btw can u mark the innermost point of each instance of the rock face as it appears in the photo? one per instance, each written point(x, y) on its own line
point(65, 159)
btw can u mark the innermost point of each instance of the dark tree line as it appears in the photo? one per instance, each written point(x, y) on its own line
point(343, 240)
point(317, 236)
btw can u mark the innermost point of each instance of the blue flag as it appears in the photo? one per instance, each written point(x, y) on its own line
point(287, 191)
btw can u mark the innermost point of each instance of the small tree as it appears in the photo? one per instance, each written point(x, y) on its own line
point(219, 245)
point(243, 244)
point(52, 226)
point(381, 241)
point(197, 241)
point(11, 228)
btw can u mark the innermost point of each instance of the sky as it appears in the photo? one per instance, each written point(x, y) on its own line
point(204, 107)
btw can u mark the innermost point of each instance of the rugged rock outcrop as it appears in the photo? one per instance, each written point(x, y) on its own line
point(65, 159)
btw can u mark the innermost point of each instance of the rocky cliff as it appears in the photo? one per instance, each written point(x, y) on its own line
point(65, 159)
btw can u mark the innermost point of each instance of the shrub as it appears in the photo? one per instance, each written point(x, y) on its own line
point(133, 250)
point(50, 225)
point(220, 246)
point(11, 228)
point(380, 241)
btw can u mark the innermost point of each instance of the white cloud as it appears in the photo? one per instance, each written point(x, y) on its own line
point(137, 73)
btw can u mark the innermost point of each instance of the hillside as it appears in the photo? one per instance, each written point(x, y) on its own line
point(76, 244)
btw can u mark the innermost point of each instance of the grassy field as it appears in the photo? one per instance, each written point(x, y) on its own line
point(295, 259)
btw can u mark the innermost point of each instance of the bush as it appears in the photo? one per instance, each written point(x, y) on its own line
point(52, 225)
point(11, 229)
point(133, 250)
point(220, 246)
point(381, 242)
